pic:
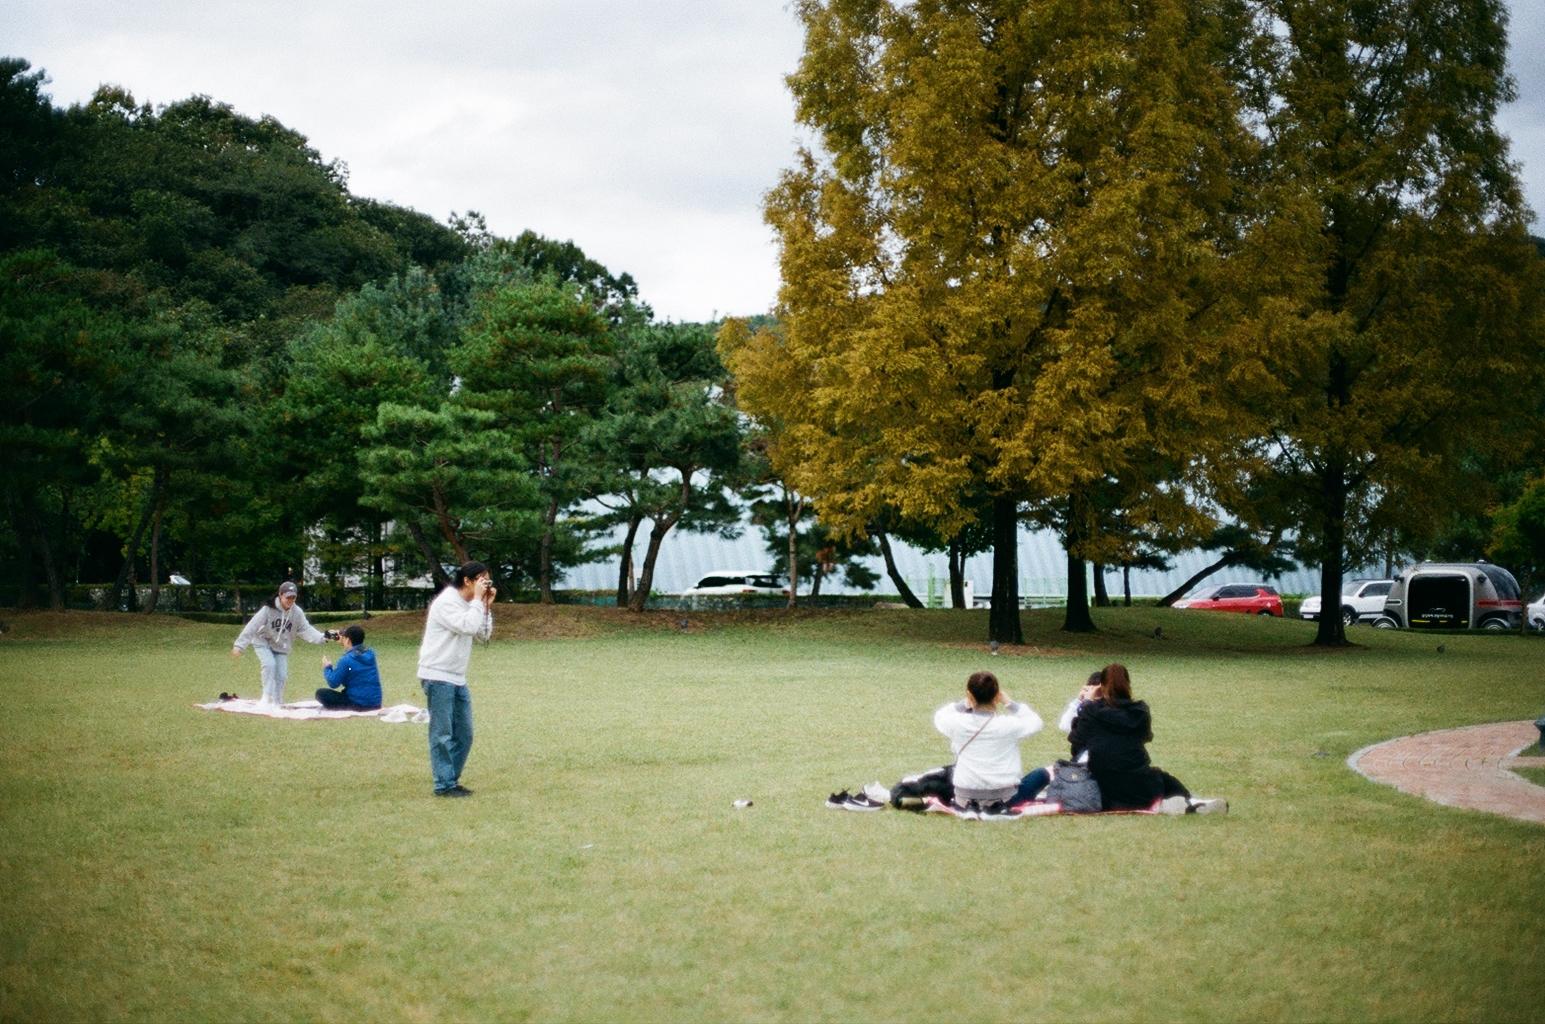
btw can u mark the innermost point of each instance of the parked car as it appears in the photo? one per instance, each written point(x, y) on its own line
point(1453, 595)
point(1360, 600)
point(1534, 614)
point(738, 583)
point(1245, 598)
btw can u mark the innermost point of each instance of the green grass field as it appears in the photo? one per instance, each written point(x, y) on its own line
point(166, 863)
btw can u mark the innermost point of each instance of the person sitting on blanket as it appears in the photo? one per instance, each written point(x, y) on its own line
point(1114, 730)
point(355, 680)
point(984, 731)
point(1032, 784)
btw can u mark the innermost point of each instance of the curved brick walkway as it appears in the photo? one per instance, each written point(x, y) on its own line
point(1466, 767)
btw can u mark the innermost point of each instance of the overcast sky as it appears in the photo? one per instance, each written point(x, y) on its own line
point(644, 131)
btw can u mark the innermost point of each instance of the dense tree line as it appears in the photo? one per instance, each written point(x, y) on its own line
point(217, 360)
point(1244, 275)
point(1144, 271)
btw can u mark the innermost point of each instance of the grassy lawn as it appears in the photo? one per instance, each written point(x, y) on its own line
point(172, 864)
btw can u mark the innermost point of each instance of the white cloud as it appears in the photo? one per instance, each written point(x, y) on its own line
point(646, 131)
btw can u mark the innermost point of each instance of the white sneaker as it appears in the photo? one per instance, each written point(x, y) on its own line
point(878, 793)
point(1173, 805)
point(1212, 806)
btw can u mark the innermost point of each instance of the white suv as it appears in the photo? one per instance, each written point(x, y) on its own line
point(738, 583)
point(1360, 599)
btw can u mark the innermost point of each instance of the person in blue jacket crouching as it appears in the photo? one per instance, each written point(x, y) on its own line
point(355, 681)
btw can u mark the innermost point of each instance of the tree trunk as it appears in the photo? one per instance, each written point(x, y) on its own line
point(957, 575)
point(1126, 584)
point(793, 509)
point(1077, 618)
point(1197, 577)
point(375, 593)
point(126, 571)
point(1003, 623)
point(815, 580)
point(450, 529)
point(907, 597)
point(431, 560)
point(657, 532)
point(45, 549)
point(625, 570)
point(159, 503)
point(26, 595)
point(1333, 497)
point(1101, 595)
point(661, 526)
point(545, 555)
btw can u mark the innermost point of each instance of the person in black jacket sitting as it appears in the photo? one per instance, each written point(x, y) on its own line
point(1115, 730)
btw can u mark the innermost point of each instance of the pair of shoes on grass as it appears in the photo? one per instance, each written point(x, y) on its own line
point(456, 790)
point(860, 801)
point(1191, 805)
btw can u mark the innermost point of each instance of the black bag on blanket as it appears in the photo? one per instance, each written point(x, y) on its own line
point(1074, 788)
point(908, 794)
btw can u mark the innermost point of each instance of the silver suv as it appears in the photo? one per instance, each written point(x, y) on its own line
point(1453, 595)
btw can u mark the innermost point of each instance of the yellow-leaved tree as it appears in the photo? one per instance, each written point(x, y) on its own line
point(1004, 264)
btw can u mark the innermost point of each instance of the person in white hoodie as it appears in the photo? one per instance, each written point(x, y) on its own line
point(462, 611)
point(984, 731)
point(271, 633)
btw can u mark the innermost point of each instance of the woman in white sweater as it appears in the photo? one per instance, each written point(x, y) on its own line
point(984, 731)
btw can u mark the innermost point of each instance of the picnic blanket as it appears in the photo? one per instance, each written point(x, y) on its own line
point(1030, 809)
point(304, 710)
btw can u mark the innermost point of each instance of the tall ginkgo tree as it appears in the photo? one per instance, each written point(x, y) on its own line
point(1004, 262)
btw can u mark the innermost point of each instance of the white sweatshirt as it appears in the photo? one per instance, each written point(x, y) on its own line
point(448, 633)
point(991, 761)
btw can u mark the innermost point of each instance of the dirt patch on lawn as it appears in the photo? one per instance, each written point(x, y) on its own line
point(1017, 650)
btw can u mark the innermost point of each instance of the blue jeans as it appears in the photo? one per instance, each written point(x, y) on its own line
point(1030, 785)
point(450, 731)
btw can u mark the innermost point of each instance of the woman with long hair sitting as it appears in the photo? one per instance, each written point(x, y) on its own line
point(1115, 729)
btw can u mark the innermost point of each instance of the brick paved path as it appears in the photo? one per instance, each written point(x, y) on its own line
point(1466, 767)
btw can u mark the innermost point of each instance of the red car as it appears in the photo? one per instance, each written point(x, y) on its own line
point(1247, 598)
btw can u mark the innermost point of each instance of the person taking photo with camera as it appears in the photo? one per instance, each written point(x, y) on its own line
point(462, 611)
point(354, 684)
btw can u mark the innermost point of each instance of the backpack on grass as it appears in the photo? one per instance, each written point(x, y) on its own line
point(1074, 788)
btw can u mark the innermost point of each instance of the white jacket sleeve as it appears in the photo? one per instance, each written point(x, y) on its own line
point(468, 620)
point(1065, 723)
point(1026, 721)
point(945, 720)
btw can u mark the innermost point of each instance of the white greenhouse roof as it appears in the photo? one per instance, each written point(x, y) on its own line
point(687, 557)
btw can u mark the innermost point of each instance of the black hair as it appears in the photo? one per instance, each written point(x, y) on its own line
point(356, 635)
point(470, 571)
point(983, 687)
